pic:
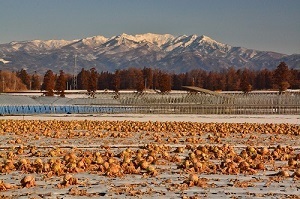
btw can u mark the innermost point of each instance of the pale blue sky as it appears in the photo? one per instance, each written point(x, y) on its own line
point(272, 25)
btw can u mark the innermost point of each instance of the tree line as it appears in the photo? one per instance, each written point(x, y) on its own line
point(139, 80)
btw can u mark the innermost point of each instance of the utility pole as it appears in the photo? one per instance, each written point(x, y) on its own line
point(75, 73)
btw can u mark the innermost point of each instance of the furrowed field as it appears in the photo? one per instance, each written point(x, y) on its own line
point(141, 156)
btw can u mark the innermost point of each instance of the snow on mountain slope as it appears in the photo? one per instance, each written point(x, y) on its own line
point(50, 44)
point(164, 51)
point(94, 41)
point(156, 39)
point(192, 42)
point(135, 40)
point(123, 39)
point(36, 45)
point(4, 61)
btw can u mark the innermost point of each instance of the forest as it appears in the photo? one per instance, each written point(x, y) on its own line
point(137, 79)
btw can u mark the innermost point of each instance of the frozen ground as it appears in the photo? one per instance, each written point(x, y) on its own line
point(290, 119)
point(85, 137)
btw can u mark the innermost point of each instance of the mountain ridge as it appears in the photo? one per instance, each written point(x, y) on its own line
point(163, 51)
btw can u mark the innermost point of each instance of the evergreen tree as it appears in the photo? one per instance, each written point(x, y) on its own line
point(60, 85)
point(131, 78)
point(200, 78)
point(139, 83)
point(232, 80)
point(295, 79)
point(83, 79)
point(211, 82)
point(116, 81)
point(164, 82)
point(148, 77)
point(105, 80)
point(178, 81)
point(93, 82)
point(281, 77)
point(246, 87)
point(25, 77)
point(49, 83)
point(221, 82)
point(156, 76)
point(35, 82)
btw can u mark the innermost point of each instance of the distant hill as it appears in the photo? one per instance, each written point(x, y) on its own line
point(165, 52)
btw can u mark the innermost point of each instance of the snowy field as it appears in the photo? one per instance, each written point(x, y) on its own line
point(150, 156)
point(290, 119)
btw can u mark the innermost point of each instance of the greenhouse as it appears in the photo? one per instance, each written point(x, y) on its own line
point(23, 105)
point(198, 101)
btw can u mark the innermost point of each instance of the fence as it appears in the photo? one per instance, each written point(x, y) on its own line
point(215, 109)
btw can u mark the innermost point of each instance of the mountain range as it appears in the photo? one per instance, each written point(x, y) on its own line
point(162, 51)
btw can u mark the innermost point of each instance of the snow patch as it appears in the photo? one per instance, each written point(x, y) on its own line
point(190, 40)
point(90, 57)
point(152, 38)
point(4, 61)
point(94, 41)
point(40, 44)
point(50, 44)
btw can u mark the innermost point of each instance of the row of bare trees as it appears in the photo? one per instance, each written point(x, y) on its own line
point(15, 81)
point(137, 79)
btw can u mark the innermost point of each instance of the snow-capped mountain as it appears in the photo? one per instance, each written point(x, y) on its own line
point(35, 45)
point(163, 51)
